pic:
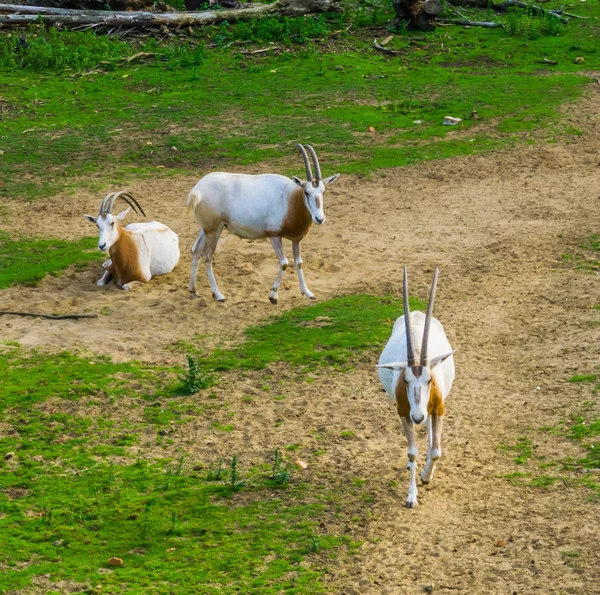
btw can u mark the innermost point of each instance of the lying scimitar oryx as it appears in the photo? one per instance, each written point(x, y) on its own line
point(139, 251)
point(419, 389)
point(257, 206)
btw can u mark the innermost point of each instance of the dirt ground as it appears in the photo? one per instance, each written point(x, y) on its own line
point(520, 319)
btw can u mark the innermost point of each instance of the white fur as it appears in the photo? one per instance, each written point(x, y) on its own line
point(158, 247)
point(251, 207)
point(441, 367)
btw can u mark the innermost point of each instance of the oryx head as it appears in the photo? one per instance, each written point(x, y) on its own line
point(313, 188)
point(108, 224)
point(418, 377)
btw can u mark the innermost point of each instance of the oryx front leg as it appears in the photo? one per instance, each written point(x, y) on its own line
point(277, 244)
point(106, 277)
point(298, 262)
point(434, 439)
point(413, 452)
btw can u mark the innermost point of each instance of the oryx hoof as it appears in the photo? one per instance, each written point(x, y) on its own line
point(219, 298)
point(273, 300)
point(411, 503)
point(424, 481)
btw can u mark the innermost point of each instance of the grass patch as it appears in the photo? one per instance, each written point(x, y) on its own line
point(522, 450)
point(28, 260)
point(587, 256)
point(221, 108)
point(167, 525)
point(326, 334)
point(73, 494)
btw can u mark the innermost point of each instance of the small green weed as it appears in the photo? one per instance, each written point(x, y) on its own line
point(28, 260)
point(195, 378)
point(280, 472)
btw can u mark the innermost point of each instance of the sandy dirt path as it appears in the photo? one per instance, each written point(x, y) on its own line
point(521, 321)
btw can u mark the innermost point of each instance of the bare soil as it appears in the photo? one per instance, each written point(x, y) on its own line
point(520, 318)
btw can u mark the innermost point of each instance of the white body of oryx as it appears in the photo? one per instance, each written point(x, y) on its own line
point(253, 207)
point(157, 247)
point(395, 351)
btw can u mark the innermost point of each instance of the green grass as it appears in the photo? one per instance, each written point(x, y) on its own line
point(74, 492)
point(33, 377)
point(220, 108)
point(26, 261)
point(326, 334)
point(522, 450)
point(586, 257)
point(170, 527)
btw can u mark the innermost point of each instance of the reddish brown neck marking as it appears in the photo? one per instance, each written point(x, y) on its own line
point(297, 220)
point(125, 258)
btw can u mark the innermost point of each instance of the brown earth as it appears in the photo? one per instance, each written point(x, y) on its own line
point(521, 320)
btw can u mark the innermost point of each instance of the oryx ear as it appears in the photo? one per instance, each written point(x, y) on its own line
point(122, 214)
point(90, 218)
point(330, 179)
point(436, 361)
point(398, 366)
point(297, 180)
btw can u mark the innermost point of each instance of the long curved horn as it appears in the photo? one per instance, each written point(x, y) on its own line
point(424, 357)
point(128, 198)
point(410, 354)
point(316, 162)
point(302, 150)
point(103, 204)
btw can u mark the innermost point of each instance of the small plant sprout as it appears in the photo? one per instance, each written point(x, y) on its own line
point(280, 474)
point(139, 251)
point(195, 378)
point(234, 476)
point(418, 386)
point(254, 207)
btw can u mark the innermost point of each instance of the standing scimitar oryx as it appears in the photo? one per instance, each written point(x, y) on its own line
point(257, 206)
point(419, 389)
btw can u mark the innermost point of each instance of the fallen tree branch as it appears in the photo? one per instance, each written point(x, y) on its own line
point(49, 316)
point(11, 14)
point(259, 51)
point(467, 23)
point(387, 51)
point(504, 6)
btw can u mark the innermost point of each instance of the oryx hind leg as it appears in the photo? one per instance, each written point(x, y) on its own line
point(277, 244)
point(212, 239)
point(197, 251)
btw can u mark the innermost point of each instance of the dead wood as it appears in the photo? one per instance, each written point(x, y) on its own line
point(49, 316)
point(468, 23)
point(11, 14)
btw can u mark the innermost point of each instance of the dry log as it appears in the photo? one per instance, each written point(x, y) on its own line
point(21, 15)
point(420, 14)
point(49, 316)
point(504, 6)
point(468, 23)
point(387, 51)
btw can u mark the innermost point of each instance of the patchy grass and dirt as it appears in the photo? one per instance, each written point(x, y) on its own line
point(28, 260)
point(271, 461)
point(192, 108)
